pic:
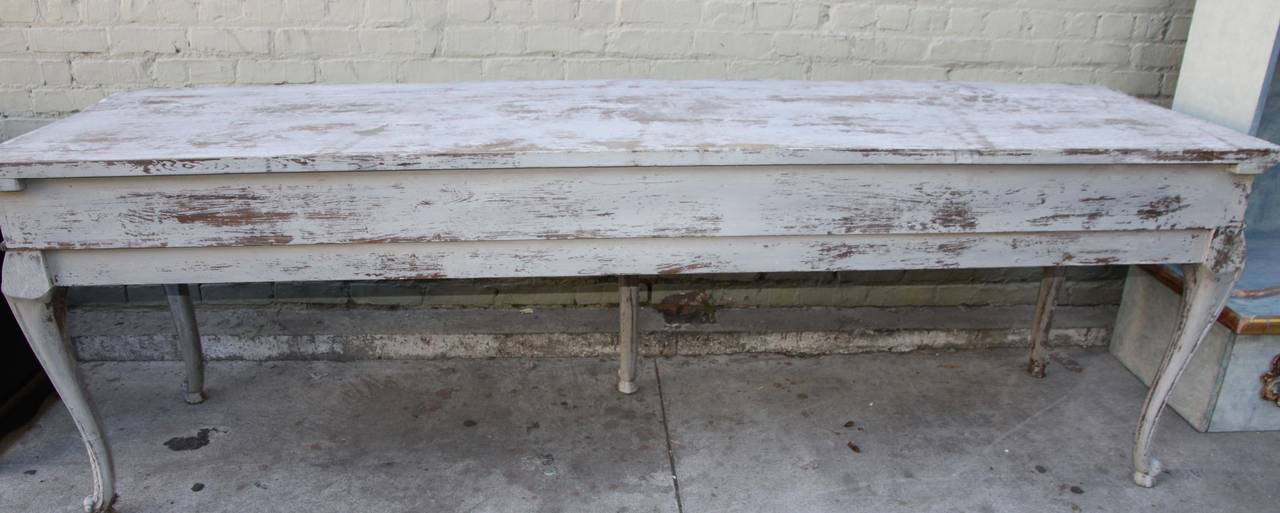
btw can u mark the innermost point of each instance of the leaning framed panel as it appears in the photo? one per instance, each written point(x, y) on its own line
point(626, 178)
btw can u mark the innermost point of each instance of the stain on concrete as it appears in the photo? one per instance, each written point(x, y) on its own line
point(29, 472)
point(190, 443)
point(1077, 490)
point(469, 423)
point(197, 487)
point(854, 447)
point(1066, 362)
point(1041, 469)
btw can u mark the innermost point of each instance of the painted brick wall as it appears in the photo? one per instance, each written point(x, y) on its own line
point(57, 56)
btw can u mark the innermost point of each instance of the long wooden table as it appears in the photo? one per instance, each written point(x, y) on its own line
point(626, 178)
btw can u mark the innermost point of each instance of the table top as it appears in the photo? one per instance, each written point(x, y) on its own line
point(615, 123)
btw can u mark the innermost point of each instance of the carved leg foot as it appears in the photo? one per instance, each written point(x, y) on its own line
point(628, 334)
point(1205, 291)
point(184, 321)
point(1050, 284)
point(28, 289)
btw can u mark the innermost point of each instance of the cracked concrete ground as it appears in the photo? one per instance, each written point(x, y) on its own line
point(918, 432)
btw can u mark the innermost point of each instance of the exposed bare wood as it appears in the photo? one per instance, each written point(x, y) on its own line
point(628, 333)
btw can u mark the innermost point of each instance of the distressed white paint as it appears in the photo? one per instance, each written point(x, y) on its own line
point(738, 201)
point(615, 123)
point(585, 257)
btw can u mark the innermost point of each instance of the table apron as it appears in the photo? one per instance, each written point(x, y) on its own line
point(599, 257)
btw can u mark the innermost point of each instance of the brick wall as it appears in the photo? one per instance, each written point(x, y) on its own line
point(56, 56)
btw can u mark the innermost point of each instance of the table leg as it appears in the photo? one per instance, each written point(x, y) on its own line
point(184, 321)
point(29, 291)
point(628, 333)
point(1050, 283)
point(1205, 291)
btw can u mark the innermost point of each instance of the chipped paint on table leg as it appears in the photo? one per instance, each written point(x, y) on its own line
point(184, 321)
point(628, 333)
point(1205, 292)
point(1050, 283)
point(29, 291)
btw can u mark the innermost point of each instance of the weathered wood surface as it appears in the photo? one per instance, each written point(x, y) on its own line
point(615, 123)
point(552, 204)
point(587, 257)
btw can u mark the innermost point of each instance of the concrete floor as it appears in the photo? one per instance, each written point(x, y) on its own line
point(950, 432)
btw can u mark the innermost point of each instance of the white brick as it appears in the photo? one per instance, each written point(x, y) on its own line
point(966, 21)
point(523, 68)
point(554, 10)
point(395, 41)
point(63, 101)
point(597, 11)
point(440, 70)
point(735, 44)
point(651, 42)
point(107, 72)
point(100, 11)
point(812, 45)
point(960, 50)
point(807, 16)
point(1071, 52)
point(586, 69)
point(302, 10)
point(185, 12)
point(1157, 56)
point(216, 12)
point(18, 11)
point(893, 17)
point(56, 73)
point(348, 14)
point(148, 40)
point(773, 15)
point(316, 42)
point(20, 73)
point(171, 73)
point(690, 69)
point(275, 72)
point(669, 12)
point(469, 10)
point(564, 40)
point(909, 73)
point(512, 11)
point(358, 71)
point(57, 12)
point(1003, 23)
point(929, 20)
point(1081, 25)
point(15, 101)
point(903, 49)
point(12, 40)
point(1139, 83)
point(428, 13)
point(138, 11)
point(852, 16)
point(1045, 24)
point(484, 40)
point(68, 40)
point(1115, 26)
point(209, 71)
point(773, 70)
point(1025, 53)
point(264, 11)
point(1178, 28)
point(230, 41)
point(384, 13)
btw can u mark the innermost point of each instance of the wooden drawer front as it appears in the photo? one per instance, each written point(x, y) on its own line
point(554, 204)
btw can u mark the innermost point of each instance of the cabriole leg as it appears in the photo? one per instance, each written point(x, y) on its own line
point(1204, 293)
point(1050, 283)
point(628, 333)
point(29, 291)
point(184, 321)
